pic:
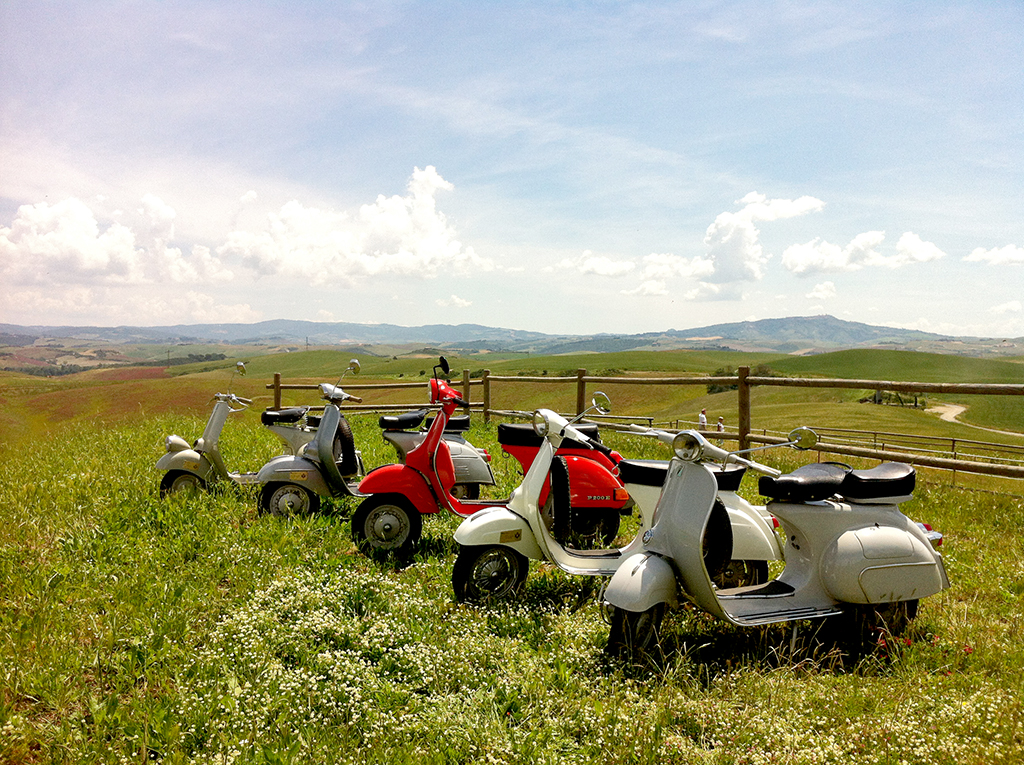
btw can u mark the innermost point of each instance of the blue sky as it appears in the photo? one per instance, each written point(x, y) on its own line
point(551, 166)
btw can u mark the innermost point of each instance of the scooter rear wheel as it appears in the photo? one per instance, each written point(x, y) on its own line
point(181, 482)
point(633, 633)
point(386, 524)
point(484, 573)
point(288, 499)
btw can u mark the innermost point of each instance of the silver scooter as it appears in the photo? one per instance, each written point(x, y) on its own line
point(328, 466)
point(850, 552)
point(195, 467)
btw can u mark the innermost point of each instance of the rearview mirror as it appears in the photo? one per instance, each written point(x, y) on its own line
point(240, 367)
point(354, 366)
point(601, 402)
point(803, 438)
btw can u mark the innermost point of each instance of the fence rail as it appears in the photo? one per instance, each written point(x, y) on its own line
point(946, 453)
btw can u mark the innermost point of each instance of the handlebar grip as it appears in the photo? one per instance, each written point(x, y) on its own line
point(246, 401)
point(460, 401)
point(605, 450)
point(357, 399)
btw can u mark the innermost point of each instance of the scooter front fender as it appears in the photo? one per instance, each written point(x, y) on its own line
point(641, 581)
point(404, 480)
point(290, 468)
point(188, 461)
point(499, 526)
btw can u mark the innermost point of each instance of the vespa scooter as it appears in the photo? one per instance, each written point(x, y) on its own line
point(328, 466)
point(196, 467)
point(389, 520)
point(496, 544)
point(850, 552)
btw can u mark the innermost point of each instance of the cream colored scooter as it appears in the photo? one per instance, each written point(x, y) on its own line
point(850, 552)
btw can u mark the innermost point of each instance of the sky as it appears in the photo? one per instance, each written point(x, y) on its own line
point(560, 167)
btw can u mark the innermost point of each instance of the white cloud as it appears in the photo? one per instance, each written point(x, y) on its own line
point(666, 266)
point(398, 235)
point(818, 256)
point(454, 302)
point(1012, 306)
point(1001, 256)
point(599, 265)
point(733, 241)
point(822, 291)
point(648, 287)
point(63, 244)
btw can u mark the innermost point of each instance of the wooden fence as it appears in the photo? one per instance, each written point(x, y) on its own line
point(960, 454)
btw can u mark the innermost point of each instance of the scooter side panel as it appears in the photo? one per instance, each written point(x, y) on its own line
point(881, 564)
point(188, 460)
point(752, 536)
point(400, 479)
point(641, 581)
point(290, 468)
point(499, 526)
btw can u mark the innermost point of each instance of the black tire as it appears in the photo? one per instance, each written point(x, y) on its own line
point(592, 528)
point(634, 634)
point(287, 499)
point(860, 628)
point(181, 482)
point(742, 573)
point(466, 491)
point(386, 524)
point(486, 573)
point(344, 449)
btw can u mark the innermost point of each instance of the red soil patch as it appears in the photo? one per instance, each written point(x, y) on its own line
point(131, 373)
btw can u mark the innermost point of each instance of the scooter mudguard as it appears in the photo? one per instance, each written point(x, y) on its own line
point(591, 485)
point(188, 461)
point(290, 468)
point(499, 526)
point(400, 479)
point(882, 564)
point(641, 581)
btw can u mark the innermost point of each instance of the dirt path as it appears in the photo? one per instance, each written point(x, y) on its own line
point(950, 413)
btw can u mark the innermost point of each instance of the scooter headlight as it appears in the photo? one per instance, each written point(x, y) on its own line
point(688, 447)
point(540, 423)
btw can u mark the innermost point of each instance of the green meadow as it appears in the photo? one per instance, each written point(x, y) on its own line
point(197, 630)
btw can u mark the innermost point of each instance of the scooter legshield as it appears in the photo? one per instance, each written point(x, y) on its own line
point(289, 468)
point(641, 581)
point(400, 479)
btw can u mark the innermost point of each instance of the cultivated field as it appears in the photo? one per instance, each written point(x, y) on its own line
point(198, 630)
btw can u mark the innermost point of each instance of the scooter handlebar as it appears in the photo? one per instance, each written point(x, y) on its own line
point(245, 401)
point(357, 399)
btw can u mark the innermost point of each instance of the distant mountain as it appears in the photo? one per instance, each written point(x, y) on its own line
point(800, 334)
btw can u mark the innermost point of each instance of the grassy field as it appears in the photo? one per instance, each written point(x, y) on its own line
point(198, 631)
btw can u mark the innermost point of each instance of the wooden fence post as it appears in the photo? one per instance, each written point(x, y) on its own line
point(744, 407)
point(465, 385)
point(581, 391)
point(487, 395)
point(277, 390)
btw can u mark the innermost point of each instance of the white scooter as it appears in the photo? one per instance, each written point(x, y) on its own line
point(497, 543)
point(328, 466)
point(189, 468)
point(850, 552)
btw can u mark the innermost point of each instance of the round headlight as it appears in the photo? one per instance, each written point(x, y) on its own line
point(687, 447)
point(540, 423)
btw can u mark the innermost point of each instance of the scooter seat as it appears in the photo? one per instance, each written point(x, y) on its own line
point(519, 434)
point(890, 479)
point(403, 421)
point(458, 424)
point(653, 472)
point(287, 416)
point(809, 483)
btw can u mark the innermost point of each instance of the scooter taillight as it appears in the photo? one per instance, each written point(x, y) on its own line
point(619, 494)
point(934, 537)
point(775, 522)
point(487, 455)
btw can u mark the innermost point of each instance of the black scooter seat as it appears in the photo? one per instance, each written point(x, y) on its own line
point(403, 421)
point(808, 483)
point(283, 416)
point(458, 424)
point(653, 472)
point(518, 434)
point(819, 481)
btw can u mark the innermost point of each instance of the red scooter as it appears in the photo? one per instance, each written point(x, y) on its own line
point(389, 519)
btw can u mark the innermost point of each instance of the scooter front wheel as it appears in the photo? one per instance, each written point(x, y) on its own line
point(287, 499)
point(633, 633)
point(181, 482)
point(386, 524)
point(485, 573)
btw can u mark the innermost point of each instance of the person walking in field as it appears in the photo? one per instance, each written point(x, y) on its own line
point(702, 420)
point(720, 427)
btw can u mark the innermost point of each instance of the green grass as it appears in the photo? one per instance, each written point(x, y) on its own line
point(199, 631)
